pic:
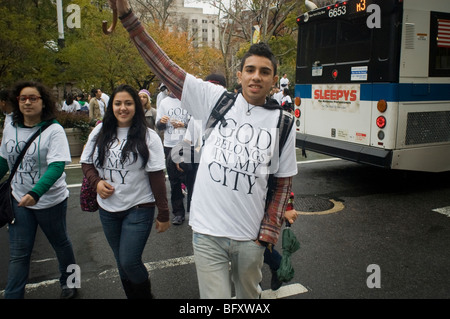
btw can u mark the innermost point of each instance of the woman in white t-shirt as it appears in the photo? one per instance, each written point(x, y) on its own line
point(39, 189)
point(124, 161)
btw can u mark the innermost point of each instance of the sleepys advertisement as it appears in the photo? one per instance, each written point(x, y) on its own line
point(336, 97)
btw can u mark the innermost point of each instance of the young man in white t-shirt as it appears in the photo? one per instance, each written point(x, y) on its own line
point(228, 214)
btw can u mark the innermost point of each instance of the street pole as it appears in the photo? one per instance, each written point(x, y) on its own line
point(59, 14)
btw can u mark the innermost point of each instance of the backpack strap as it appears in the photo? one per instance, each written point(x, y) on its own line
point(24, 150)
point(223, 105)
point(285, 123)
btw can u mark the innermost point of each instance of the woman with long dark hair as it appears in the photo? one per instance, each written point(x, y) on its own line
point(124, 161)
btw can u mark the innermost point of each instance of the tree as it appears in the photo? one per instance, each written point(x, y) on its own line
point(154, 10)
point(276, 22)
point(26, 50)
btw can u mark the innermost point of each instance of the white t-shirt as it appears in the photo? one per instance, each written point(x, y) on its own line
point(278, 96)
point(131, 185)
point(8, 119)
point(161, 96)
point(75, 106)
point(105, 98)
point(102, 106)
point(231, 183)
point(51, 146)
point(171, 107)
point(284, 83)
point(286, 98)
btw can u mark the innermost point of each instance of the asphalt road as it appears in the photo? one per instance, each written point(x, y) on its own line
point(365, 233)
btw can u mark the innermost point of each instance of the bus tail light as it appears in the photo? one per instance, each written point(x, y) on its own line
point(334, 74)
point(381, 121)
point(297, 113)
point(297, 101)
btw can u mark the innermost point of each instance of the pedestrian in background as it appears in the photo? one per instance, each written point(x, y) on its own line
point(39, 187)
point(228, 216)
point(172, 119)
point(5, 107)
point(84, 106)
point(124, 162)
point(150, 112)
point(70, 104)
point(286, 101)
point(97, 105)
point(284, 82)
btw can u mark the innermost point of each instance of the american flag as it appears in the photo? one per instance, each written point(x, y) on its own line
point(443, 33)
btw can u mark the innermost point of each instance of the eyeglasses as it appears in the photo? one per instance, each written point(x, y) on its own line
point(32, 98)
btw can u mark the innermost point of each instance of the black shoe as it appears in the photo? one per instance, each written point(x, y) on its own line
point(68, 293)
point(178, 220)
point(127, 288)
point(275, 283)
point(142, 291)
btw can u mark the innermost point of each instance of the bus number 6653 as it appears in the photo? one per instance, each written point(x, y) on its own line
point(335, 12)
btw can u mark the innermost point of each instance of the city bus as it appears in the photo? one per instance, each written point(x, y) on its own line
point(372, 83)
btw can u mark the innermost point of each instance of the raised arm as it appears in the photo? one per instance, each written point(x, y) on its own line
point(164, 68)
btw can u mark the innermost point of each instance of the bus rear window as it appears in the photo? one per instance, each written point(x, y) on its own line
point(353, 41)
point(332, 43)
point(440, 44)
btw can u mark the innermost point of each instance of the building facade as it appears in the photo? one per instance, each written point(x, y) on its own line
point(201, 27)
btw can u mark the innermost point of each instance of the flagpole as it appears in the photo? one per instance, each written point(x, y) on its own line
point(59, 14)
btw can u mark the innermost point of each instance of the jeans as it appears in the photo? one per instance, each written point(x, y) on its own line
point(212, 260)
point(127, 233)
point(21, 241)
point(175, 179)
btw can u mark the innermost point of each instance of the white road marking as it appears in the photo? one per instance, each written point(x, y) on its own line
point(319, 160)
point(443, 210)
point(284, 291)
point(43, 260)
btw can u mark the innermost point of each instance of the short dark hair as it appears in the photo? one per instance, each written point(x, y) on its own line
point(260, 49)
point(217, 79)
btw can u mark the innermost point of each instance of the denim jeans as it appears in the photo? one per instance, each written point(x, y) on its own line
point(127, 233)
point(176, 178)
point(21, 241)
point(212, 259)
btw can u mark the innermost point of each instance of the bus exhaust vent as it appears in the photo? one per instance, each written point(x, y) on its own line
point(409, 35)
point(428, 127)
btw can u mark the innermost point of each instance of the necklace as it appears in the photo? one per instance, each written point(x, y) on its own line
point(250, 109)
